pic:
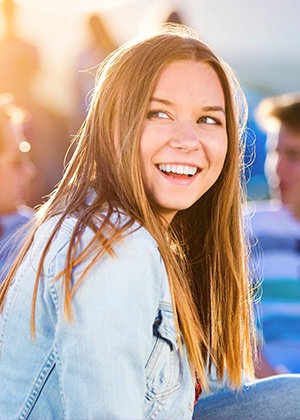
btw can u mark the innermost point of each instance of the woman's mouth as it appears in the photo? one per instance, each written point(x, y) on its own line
point(178, 171)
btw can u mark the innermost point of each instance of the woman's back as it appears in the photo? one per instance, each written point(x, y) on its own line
point(126, 300)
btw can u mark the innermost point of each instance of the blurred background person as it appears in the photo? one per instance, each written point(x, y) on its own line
point(276, 227)
point(174, 17)
point(16, 172)
point(100, 44)
point(45, 128)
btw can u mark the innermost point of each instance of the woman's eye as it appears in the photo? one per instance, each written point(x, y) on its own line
point(157, 114)
point(209, 120)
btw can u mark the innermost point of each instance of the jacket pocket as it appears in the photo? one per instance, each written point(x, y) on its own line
point(164, 367)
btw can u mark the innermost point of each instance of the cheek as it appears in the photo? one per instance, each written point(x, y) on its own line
point(218, 154)
point(146, 148)
point(153, 138)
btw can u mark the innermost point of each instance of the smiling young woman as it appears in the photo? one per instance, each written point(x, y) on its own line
point(134, 274)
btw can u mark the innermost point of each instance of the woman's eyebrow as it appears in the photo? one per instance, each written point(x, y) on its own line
point(161, 100)
point(214, 108)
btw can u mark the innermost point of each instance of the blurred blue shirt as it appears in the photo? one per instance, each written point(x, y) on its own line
point(9, 226)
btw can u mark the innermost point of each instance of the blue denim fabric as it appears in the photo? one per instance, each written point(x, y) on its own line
point(273, 398)
point(119, 359)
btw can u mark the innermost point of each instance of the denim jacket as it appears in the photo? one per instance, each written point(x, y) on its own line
point(118, 359)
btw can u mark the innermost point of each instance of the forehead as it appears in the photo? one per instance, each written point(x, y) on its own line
point(192, 79)
point(288, 137)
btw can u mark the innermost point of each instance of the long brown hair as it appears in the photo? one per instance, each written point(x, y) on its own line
point(207, 272)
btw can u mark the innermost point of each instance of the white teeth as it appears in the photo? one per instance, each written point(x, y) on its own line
point(178, 169)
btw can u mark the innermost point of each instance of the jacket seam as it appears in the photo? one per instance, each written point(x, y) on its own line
point(41, 379)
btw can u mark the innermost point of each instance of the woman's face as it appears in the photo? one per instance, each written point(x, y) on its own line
point(184, 139)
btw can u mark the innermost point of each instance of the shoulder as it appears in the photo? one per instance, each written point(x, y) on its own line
point(262, 208)
point(61, 237)
point(134, 248)
point(133, 269)
point(266, 216)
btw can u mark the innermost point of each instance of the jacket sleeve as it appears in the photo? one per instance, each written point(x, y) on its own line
point(102, 355)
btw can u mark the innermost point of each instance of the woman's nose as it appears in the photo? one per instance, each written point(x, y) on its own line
point(185, 136)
